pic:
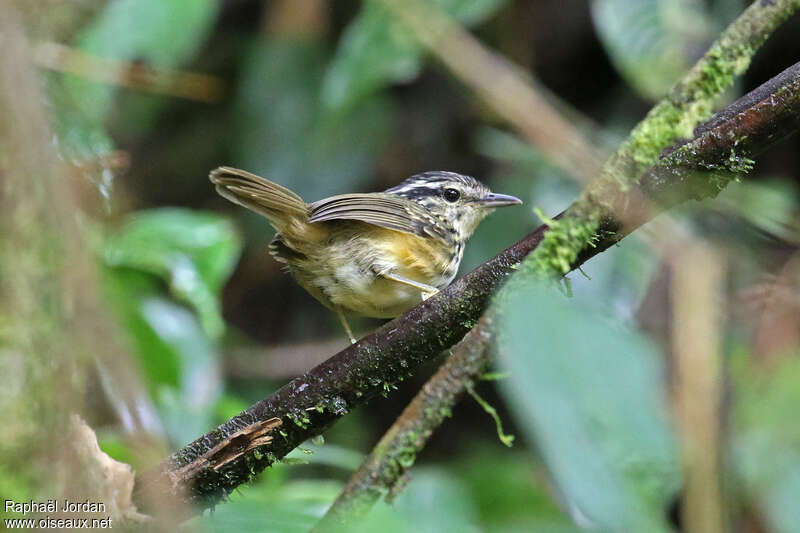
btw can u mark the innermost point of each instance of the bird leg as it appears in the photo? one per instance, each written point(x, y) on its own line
point(427, 290)
point(347, 329)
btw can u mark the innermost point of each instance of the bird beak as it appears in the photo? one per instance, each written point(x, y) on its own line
point(498, 200)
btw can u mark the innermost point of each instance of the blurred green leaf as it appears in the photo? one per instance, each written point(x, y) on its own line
point(509, 492)
point(589, 394)
point(176, 355)
point(161, 34)
point(375, 50)
point(125, 290)
point(193, 252)
point(434, 501)
point(653, 42)
point(116, 448)
point(770, 206)
point(190, 254)
point(272, 504)
point(282, 132)
point(486, 493)
point(766, 448)
point(228, 406)
point(328, 455)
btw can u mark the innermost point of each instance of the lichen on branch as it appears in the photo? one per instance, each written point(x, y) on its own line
point(687, 104)
point(691, 100)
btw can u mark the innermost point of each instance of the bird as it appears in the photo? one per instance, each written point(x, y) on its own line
point(374, 254)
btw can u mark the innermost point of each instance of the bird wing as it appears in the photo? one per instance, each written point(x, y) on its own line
point(378, 209)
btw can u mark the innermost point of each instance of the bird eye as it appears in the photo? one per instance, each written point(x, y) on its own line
point(451, 195)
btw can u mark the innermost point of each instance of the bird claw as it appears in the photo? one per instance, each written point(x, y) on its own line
point(429, 294)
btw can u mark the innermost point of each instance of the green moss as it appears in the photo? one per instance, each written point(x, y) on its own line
point(406, 456)
point(740, 164)
point(561, 245)
point(299, 417)
point(691, 100)
point(469, 324)
point(718, 68)
point(675, 117)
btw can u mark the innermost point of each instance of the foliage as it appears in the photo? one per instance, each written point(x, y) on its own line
point(347, 106)
point(191, 254)
point(478, 492)
point(375, 50)
point(284, 132)
point(653, 42)
point(172, 32)
point(589, 394)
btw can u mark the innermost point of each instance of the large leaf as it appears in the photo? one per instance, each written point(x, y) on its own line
point(282, 132)
point(376, 50)
point(589, 394)
point(433, 502)
point(192, 252)
point(652, 42)
point(178, 360)
point(188, 255)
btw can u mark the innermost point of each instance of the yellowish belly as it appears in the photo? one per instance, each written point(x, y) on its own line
point(347, 273)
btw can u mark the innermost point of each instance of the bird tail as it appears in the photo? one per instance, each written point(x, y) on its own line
point(284, 209)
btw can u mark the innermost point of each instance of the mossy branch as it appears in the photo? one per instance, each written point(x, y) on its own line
point(312, 402)
point(687, 104)
point(690, 101)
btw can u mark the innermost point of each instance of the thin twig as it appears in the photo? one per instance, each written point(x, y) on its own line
point(175, 83)
point(312, 402)
point(691, 100)
point(687, 105)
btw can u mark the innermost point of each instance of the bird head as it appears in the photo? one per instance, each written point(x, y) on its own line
point(459, 201)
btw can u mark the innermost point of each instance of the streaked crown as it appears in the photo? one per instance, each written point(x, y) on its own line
point(458, 201)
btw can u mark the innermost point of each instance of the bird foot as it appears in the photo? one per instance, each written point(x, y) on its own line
point(429, 294)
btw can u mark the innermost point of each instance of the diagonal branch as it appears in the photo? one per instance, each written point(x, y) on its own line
point(522, 106)
point(385, 466)
point(312, 402)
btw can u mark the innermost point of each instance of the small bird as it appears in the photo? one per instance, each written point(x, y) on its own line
point(372, 254)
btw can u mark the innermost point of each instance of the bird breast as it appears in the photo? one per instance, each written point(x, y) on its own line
point(347, 271)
